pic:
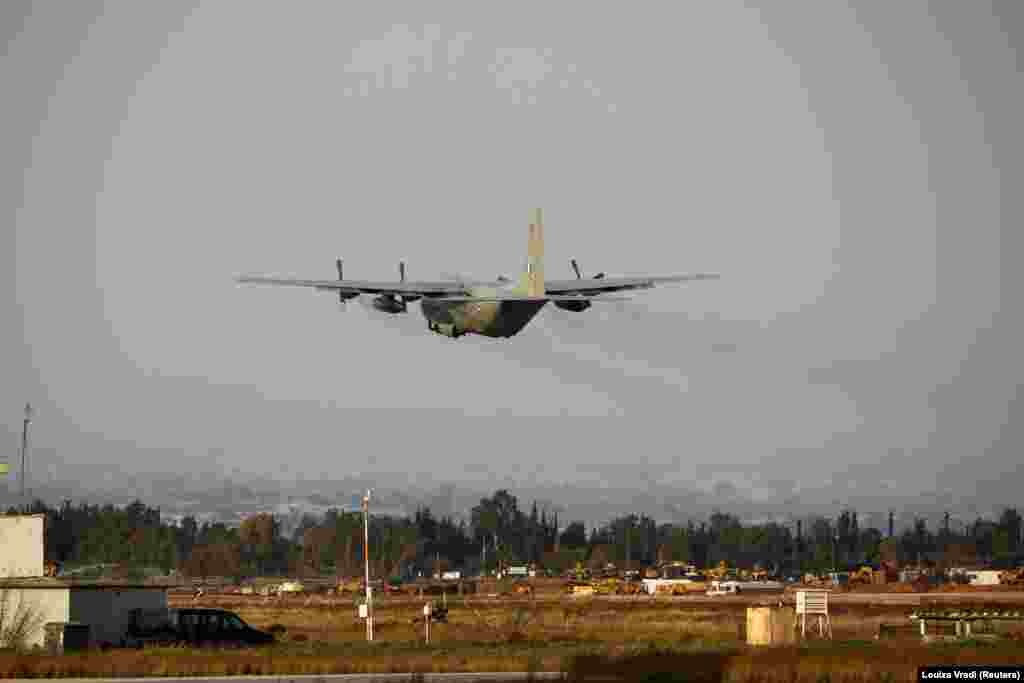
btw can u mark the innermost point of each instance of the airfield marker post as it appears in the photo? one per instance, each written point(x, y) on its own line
point(426, 621)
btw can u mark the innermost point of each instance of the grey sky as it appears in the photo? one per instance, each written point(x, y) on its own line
point(853, 172)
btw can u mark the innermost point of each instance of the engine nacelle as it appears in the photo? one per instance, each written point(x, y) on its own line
point(343, 294)
point(388, 304)
point(575, 306)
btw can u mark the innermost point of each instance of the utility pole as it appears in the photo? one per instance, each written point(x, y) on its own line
point(366, 558)
point(24, 446)
point(800, 546)
point(497, 557)
point(629, 528)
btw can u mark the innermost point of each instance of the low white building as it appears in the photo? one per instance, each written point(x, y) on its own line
point(105, 608)
point(26, 596)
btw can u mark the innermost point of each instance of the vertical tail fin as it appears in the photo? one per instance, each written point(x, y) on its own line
point(531, 283)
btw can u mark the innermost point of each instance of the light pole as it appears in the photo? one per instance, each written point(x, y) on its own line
point(24, 446)
point(629, 528)
point(366, 557)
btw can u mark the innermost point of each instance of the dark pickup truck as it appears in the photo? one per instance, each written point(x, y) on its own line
point(191, 626)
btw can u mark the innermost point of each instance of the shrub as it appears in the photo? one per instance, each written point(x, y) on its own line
point(18, 621)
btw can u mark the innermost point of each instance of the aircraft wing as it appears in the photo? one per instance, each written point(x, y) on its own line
point(408, 288)
point(513, 297)
point(618, 284)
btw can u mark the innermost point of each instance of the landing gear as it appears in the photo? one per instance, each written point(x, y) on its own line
point(450, 330)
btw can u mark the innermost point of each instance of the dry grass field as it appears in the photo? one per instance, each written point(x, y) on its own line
point(630, 637)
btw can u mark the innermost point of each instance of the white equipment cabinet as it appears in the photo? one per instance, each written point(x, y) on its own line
point(814, 603)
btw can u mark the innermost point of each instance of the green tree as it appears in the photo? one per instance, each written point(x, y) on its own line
point(574, 536)
point(677, 545)
point(1010, 523)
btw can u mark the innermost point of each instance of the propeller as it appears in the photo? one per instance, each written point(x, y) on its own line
point(584, 303)
point(343, 296)
point(395, 302)
point(406, 298)
point(576, 268)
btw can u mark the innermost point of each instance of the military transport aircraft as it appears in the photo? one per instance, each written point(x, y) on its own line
point(498, 308)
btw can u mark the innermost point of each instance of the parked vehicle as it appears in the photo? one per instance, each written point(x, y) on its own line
point(191, 626)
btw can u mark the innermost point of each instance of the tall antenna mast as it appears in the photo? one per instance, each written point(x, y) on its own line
point(24, 445)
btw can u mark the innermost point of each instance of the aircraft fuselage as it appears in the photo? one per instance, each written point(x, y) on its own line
point(487, 318)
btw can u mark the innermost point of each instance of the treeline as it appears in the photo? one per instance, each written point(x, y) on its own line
point(499, 533)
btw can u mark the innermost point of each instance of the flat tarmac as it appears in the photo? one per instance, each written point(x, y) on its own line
point(483, 677)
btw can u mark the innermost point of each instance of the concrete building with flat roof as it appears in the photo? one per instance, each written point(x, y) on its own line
point(30, 598)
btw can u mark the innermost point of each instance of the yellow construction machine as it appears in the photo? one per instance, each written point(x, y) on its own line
point(864, 576)
point(718, 572)
point(817, 581)
point(578, 581)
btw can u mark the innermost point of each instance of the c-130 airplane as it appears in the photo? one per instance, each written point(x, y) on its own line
point(499, 308)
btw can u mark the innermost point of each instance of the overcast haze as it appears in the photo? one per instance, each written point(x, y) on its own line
point(854, 173)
